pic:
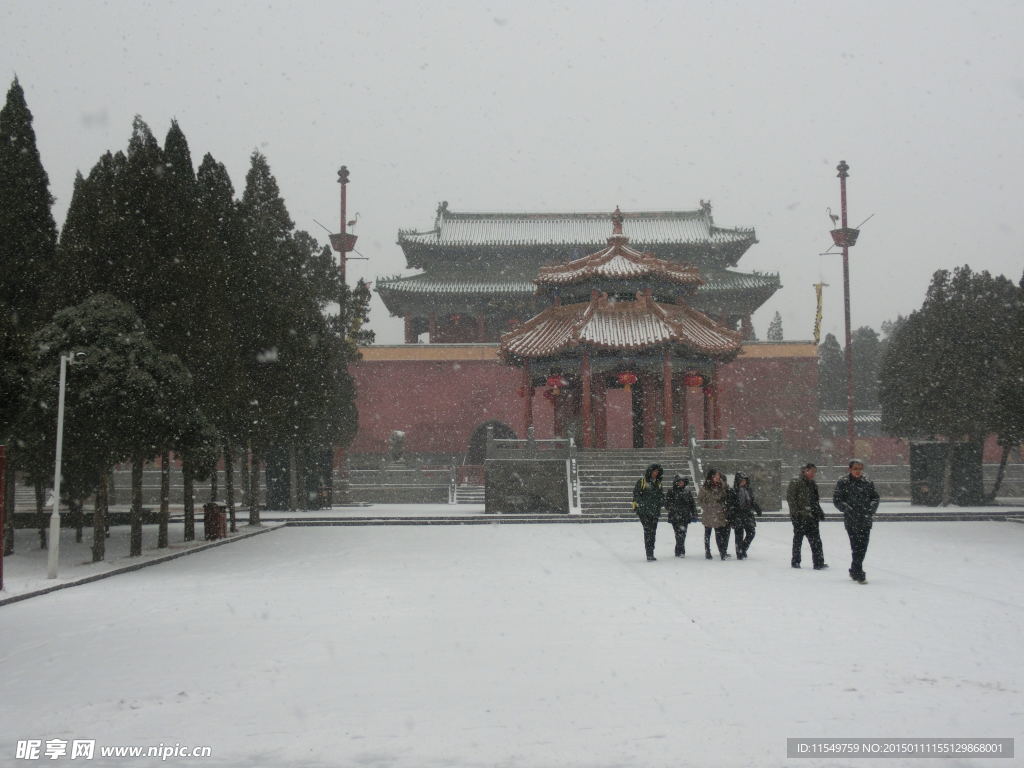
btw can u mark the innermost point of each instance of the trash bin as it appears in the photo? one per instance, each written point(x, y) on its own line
point(215, 521)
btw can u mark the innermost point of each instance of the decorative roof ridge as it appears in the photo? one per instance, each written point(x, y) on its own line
point(581, 215)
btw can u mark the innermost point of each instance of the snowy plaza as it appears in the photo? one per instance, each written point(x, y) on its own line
point(526, 645)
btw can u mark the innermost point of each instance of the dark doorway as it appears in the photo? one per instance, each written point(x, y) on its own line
point(477, 450)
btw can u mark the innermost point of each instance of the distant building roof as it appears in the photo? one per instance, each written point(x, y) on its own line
point(644, 228)
point(859, 417)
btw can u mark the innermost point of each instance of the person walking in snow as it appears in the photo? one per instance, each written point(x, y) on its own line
point(647, 501)
point(681, 510)
point(744, 507)
point(805, 511)
point(855, 496)
point(713, 502)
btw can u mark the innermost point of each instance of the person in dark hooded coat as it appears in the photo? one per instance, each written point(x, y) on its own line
point(648, 498)
point(681, 510)
point(744, 507)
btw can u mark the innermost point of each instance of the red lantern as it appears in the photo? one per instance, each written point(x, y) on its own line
point(556, 382)
point(627, 379)
point(693, 380)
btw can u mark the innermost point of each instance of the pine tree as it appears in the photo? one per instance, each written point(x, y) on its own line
point(867, 359)
point(831, 374)
point(28, 234)
point(775, 328)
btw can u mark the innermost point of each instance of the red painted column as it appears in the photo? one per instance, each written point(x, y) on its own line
point(481, 328)
point(600, 412)
point(716, 411)
point(649, 407)
point(707, 411)
point(666, 407)
point(410, 337)
point(586, 407)
point(432, 328)
point(684, 409)
point(527, 396)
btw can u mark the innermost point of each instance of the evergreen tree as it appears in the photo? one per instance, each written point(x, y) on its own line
point(28, 240)
point(867, 360)
point(28, 234)
point(831, 374)
point(775, 328)
point(946, 365)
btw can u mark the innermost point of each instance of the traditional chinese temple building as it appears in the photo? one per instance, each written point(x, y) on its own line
point(622, 333)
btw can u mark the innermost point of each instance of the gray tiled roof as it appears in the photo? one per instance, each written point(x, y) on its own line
point(424, 284)
point(644, 228)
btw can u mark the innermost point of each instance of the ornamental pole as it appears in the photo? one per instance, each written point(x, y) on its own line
point(3, 510)
point(844, 169)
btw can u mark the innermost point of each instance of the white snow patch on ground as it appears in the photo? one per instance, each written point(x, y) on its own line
point(526, 645)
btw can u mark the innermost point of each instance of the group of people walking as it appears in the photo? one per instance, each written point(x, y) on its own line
point(725, 509)
point(734, 508)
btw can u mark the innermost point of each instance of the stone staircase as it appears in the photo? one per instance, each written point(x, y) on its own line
point(607, 477)
point(469, 494)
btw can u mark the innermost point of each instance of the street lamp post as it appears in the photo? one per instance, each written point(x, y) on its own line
point(53, 555)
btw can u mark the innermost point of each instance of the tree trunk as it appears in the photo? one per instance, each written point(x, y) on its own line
point(229, 484)
point(10, 491)
point(245, 478)
point(41, 513)
point(110, 497)
point(189, 501)
point(165, 499)
point(293, 478)
point(77, 509)
point(254, 488)
point(135, 517)
point(947, 475)
point(302, 489)
point(1001, 472)
point(99, 520)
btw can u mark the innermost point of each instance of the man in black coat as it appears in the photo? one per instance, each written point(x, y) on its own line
point(805, 511)
point(855, 496)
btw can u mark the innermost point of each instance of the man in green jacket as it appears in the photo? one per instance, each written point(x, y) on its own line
point(805, 511)
point(647, 502)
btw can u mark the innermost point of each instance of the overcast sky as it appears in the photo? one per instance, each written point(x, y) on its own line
point(515, 106)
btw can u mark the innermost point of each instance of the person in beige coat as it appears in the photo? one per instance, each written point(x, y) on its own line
point(712, 500)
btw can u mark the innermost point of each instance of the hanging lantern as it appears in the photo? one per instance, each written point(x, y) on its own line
point(693, 379)
point(556, 383)
point(627, 379)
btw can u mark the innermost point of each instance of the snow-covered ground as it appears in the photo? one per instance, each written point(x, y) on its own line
point(526, 645)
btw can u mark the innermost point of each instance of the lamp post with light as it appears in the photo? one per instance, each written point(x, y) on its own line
point(53, 555)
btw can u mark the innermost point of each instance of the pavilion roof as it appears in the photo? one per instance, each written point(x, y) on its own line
point(619, 325)
point(645, 228)
point(618, 261)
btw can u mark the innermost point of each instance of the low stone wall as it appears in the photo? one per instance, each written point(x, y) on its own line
point(526, 487)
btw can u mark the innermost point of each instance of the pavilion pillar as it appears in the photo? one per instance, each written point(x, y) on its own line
point(432, 327)
point(410, 335)
point(707, 411)
point(481, 327)
point(586, 407)
point(666, 408)
point(527, 396)
point(648, 390)
point(716, 411)
point(600, 386)
point(684, 410)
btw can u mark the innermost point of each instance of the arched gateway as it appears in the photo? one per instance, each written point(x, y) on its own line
point(620, 319)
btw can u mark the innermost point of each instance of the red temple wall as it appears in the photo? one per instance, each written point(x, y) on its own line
point(438, 395)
